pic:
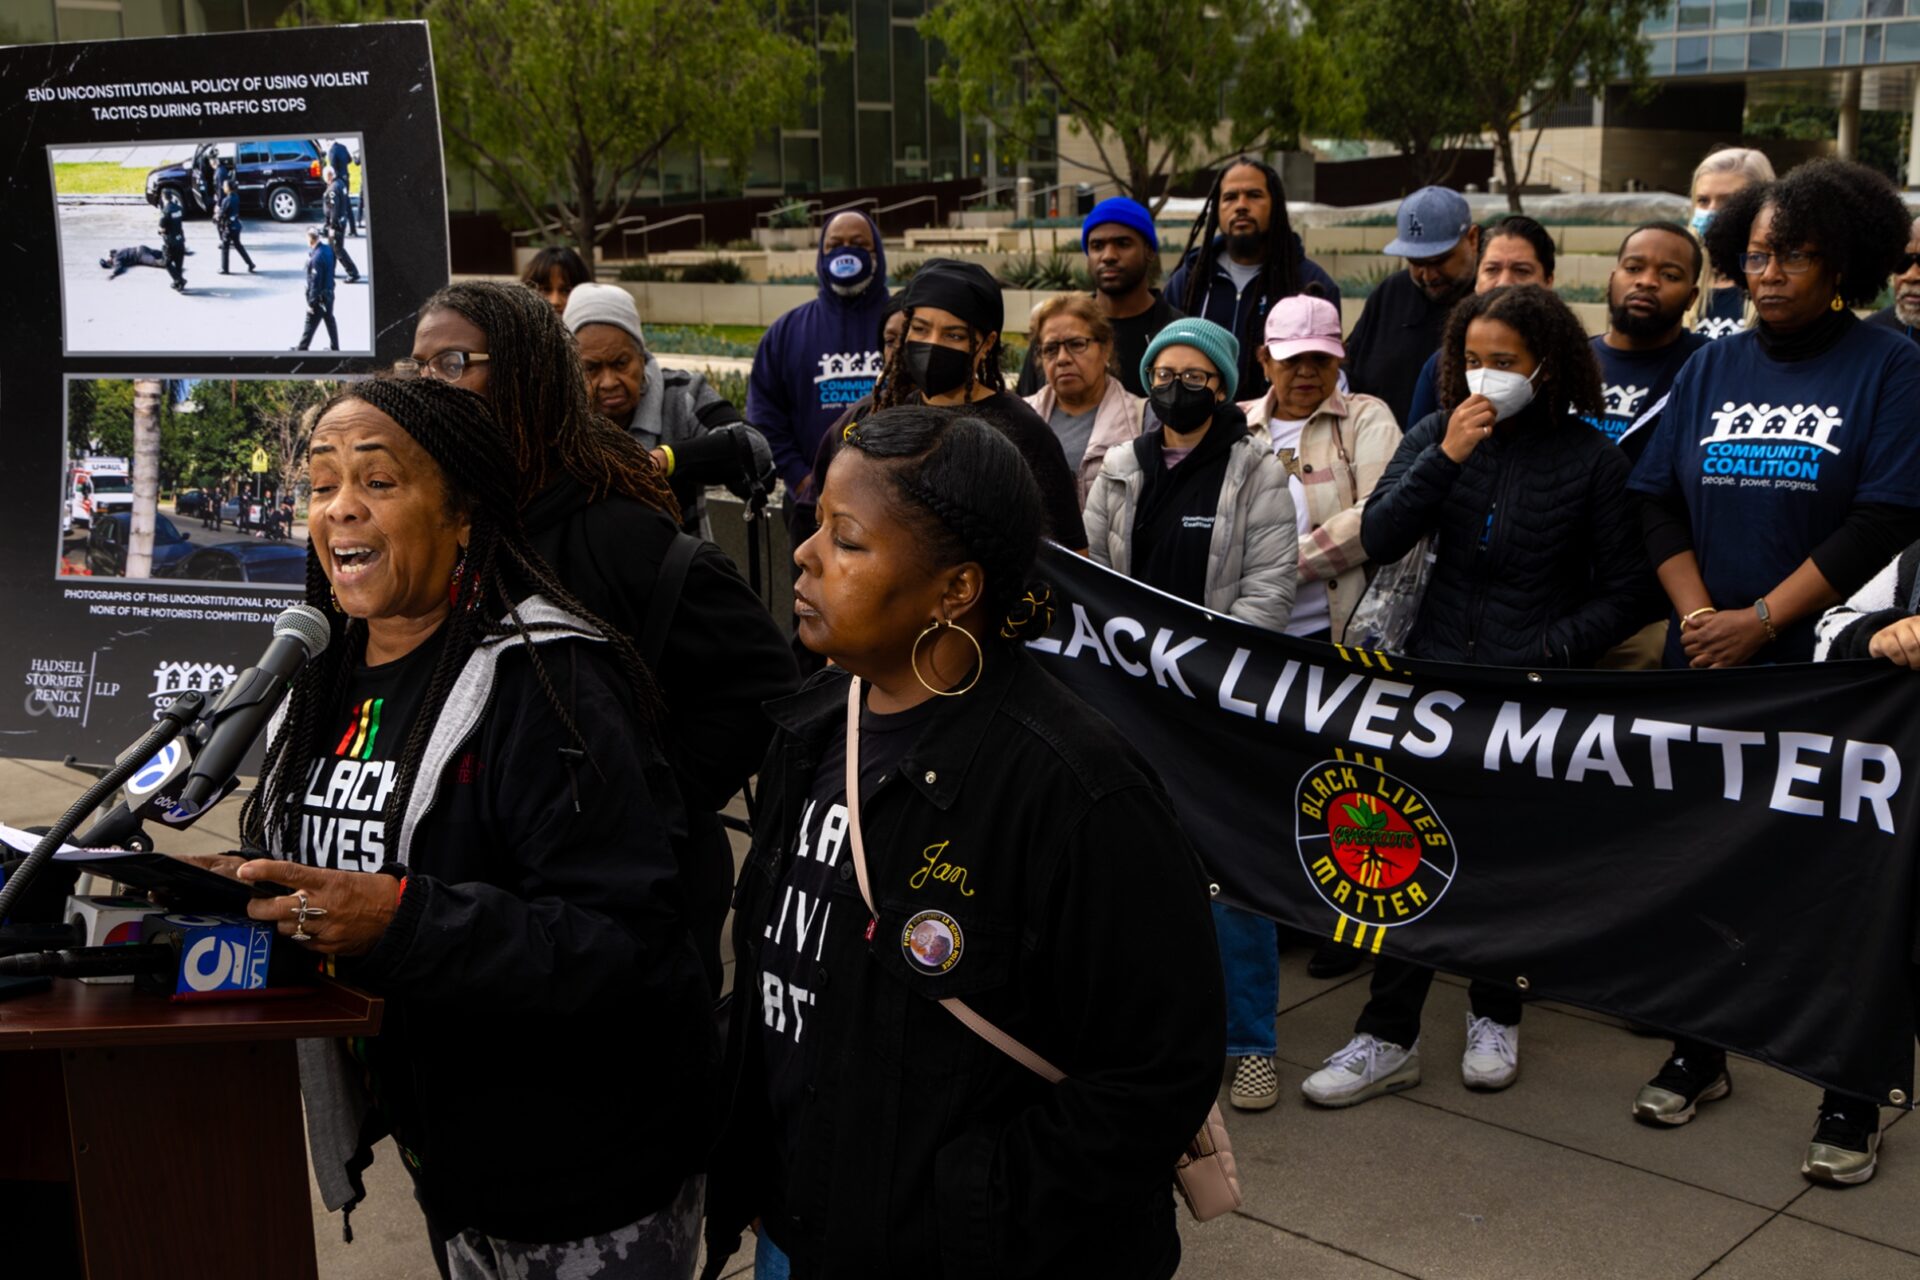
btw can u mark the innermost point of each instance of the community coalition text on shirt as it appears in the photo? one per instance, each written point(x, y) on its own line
point(1677, 848)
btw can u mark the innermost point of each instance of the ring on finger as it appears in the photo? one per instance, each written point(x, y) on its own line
point(301, 914)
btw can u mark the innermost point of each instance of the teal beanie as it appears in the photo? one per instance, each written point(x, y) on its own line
point(1204, 336)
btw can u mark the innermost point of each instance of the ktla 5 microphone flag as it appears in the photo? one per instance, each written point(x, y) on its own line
point(1724, 854)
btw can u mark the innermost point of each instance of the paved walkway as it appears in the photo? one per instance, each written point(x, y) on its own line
point(1549, 1180)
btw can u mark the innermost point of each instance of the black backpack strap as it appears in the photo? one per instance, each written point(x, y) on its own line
point(665, 600)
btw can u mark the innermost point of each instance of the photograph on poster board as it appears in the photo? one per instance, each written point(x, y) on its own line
point(222, 246)
point(229, 492)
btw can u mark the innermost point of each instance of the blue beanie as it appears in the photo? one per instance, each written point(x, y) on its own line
point(1128, 213)
point(1204, 336)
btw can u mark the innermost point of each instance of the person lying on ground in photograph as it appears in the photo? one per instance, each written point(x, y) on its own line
point(120, 261)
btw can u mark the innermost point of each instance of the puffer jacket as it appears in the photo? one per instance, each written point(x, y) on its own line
point(1251, 560)
point(1539, 555)
point(1344, 449)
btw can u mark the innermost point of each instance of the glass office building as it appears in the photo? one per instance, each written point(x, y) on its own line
point(1774, 38)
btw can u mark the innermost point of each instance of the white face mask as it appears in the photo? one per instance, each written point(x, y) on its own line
point(1508, 392)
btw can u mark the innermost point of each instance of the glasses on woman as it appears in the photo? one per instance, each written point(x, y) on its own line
point(448, 366)
point(1075, 347)
point(1191, 379)
point(1795, 262)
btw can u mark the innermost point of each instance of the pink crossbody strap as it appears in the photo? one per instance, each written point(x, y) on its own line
point(958, 1008)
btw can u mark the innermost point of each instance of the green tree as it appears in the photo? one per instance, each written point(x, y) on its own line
point(1409, 56)
point(1522, 58)
point(1883, 134)
point(1150, 82)
point(563, 106)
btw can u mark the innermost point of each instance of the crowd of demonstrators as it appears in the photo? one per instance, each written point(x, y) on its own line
point(1751, 550)
point(819, 359)
point(597, 508)
point(555, 273)
point(1400, 325)
point(1199, 508)
point(1082, 400)
point(1122, 245)
point(519, 866)
point(1242, 257)
point(1903, 313)
point(1537, 561)
point(696, 437)
point(950, 357)
point(1723, 307)
point(940, 820)
point(1514, 250)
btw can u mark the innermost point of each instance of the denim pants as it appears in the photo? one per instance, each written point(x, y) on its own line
point(1250, 966)
point(768, 1262)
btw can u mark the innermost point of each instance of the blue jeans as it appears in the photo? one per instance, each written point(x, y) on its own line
point(768, 1262)
point(1250, 966)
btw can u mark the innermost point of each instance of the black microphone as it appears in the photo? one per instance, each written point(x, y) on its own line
point(94, 962)
point(227, 732)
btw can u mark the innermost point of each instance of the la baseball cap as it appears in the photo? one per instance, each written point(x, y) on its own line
point(1430, 222)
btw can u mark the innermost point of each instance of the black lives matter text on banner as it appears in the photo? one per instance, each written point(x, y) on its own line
point(1725, 854)
point(205, 236)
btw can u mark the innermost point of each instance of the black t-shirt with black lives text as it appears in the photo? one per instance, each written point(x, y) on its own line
point(793, 959)
point(356, 763)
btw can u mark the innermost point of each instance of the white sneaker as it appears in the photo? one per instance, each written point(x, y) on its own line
point(1366, 1068)
point(1492, 1059)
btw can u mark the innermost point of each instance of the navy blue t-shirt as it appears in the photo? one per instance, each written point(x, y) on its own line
point(1724, 315)
point(1769, 457)
point(1635, 385)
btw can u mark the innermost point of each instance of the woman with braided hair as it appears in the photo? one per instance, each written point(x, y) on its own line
point(598, 510)
point(464, 795)
point(1016, 854)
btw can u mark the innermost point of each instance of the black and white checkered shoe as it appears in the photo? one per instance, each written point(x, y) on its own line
point(1256, 1085)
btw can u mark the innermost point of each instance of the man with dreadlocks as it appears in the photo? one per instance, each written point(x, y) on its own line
point(599, 511)
point(1243, 256)
point(465, 795)
point(952, 359)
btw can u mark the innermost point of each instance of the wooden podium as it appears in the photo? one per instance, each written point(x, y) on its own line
point(177, 1126)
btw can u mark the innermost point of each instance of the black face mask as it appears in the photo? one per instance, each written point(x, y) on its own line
point(1182, 407)
point(937, 370)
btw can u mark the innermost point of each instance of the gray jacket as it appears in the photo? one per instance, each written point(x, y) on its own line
point(1253, 559)
point(678, 405)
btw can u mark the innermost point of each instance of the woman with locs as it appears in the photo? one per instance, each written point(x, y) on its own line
point(1784, 473)
point(1020, 856)
point(465, 795)
point(1537, 563)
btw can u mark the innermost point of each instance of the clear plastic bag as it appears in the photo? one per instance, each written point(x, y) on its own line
point(1385, 616)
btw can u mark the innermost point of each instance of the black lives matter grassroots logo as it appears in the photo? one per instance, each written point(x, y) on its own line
point(1372, 846)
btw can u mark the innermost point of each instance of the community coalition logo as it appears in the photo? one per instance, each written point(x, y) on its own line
point(1769, 445)
point(1712, 328)
point(847, 377)
point(1372, 846)
point(1621, 401)
point(171, 679)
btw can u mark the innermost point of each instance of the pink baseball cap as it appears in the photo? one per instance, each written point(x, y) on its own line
point(1301, 324)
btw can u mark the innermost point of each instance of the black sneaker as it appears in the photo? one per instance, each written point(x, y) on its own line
point(1333, 960)
point(1846, 1145)
point(1685, 1081)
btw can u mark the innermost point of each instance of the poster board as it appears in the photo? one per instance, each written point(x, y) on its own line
point(103, 138)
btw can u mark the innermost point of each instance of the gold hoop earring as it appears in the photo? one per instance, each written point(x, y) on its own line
point(1839, 304)
point(913, 658)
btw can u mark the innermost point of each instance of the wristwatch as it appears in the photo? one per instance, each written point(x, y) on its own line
point(1766, 618)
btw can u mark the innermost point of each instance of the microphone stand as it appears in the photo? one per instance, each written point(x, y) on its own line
point(176, 717)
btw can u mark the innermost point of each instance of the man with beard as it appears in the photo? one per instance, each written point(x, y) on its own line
point(1242, 257)
point(1904, 314)
point(1654, 281)
point(1123, 251)
point(1401, 324)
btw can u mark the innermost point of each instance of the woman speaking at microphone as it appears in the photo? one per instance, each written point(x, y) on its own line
point(1017, 855)
point(464, 793)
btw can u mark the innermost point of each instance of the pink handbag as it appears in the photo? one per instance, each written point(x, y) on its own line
point(1208, 1179)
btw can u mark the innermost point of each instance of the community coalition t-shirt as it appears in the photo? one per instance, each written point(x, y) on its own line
point(1074, 431)
point(794, 956)
point(1724, 315)
point(356, 762)
point(1634, 385)
point(1770, 455)
point(1311, 615)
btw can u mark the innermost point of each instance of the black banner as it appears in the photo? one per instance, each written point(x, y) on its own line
point(138, 561)
point(1725, 854)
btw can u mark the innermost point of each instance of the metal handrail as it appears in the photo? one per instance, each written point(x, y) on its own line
point(545, 230)
point(983, 194)
point(648, 228)
point(933, 200)
point(826, 215)
point(811, 206)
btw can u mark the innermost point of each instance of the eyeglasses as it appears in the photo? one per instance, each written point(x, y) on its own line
point(448, 366)
point(1795, 262)
point(1191, 379)
point(1075, 347)
point(1906, 263)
